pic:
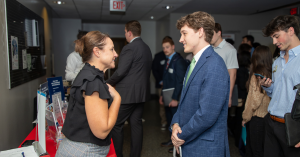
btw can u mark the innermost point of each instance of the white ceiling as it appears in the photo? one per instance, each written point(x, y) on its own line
point(98, 10)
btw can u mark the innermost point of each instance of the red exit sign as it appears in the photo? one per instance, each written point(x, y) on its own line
point(294, 11)
point(117, 5)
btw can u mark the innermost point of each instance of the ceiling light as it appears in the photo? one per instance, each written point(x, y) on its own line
point(58, 2)
point(152, 17)
point(167, 7)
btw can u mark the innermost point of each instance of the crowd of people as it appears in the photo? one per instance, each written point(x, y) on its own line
point(215, 91)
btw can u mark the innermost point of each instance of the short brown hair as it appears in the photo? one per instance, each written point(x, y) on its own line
point(199, 20)
point(282, 23)
point(168, 40)
point(134, 26)
point(85, 45)
point(218, 28)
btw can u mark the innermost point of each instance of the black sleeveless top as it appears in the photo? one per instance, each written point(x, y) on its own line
point(76, 127)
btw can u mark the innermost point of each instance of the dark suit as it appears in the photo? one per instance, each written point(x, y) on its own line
point(131, 80)
point(173, 78)
point(158, 66)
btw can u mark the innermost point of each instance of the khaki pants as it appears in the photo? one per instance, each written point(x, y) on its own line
point(162, 112)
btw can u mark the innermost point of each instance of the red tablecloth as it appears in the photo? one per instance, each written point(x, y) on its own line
point(51, 146)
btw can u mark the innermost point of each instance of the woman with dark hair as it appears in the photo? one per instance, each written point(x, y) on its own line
point(244, 47)
point(94, 105)
point(257, 101)
point(242, 75)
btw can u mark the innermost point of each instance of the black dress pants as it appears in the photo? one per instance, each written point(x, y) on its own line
point(256, 139)
point(275, 140)
point(134, 112)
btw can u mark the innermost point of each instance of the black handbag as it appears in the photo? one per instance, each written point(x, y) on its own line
point(292, 129)
point(292, 121)
point(296, 106)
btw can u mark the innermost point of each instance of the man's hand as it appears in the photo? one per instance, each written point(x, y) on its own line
point(297, 145)
point(173, 103)
point(267, 83)
point(175, 140)
point(229, 102)
point(161, 101)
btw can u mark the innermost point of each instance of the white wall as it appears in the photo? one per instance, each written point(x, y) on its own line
point(149, 37)
point(64, 34)
point(162, 30)
point(234, 24)
point(113, 30)
point(16, 104)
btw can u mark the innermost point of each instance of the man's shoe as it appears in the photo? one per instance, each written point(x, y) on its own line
point(167, 144)
point(170, 150)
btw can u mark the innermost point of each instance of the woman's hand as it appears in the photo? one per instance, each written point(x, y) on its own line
point(112, 91)
point(243, 123)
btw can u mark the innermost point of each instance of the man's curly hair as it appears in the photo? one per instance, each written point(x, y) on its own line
point(199, 20)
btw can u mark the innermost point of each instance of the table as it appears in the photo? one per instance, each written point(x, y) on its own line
point(51, 145)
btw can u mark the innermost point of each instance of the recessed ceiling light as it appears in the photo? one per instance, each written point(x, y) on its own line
point(167, 7)
point(152, 17)
point(59, 2)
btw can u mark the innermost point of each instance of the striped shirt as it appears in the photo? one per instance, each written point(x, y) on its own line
point(285, 76)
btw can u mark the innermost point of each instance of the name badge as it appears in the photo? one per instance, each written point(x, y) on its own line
point(162, 62)
point(171, 70)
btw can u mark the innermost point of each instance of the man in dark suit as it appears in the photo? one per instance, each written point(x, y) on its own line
point(200, 124)
point(158, 71)
point(174, 70)
point(131, 80)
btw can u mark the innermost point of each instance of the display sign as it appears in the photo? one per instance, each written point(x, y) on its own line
point(117, 5)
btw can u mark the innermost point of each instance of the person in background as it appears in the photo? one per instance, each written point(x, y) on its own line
point(242, 76)
point(229, 55)
point(256, 44)
point(132, 81)
point(249, 39)
point(257, 102)
point(230, 41)
point(199, 125)
point(284, 31)
point(94, 105)
point(158, 65)
point(244, 47)
point(173, 76)
point(74, 61)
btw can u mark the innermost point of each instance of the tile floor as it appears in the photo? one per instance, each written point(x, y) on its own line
point(153, 135)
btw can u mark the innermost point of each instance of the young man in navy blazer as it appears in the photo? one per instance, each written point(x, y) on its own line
point(200, 124)
point(174, 70)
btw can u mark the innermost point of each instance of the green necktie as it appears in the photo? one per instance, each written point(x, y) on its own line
point(192, 65)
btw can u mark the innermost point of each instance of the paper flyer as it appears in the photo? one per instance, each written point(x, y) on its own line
point(14, 53)
point(24, 57)
point(55, 85)
point(41, 104)
point(28, 62)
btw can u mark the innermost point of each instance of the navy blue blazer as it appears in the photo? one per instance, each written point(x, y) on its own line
point(174, 75)
point(203, 108)
point(158, 64)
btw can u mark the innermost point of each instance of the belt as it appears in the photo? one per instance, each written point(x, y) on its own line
point(280, 120)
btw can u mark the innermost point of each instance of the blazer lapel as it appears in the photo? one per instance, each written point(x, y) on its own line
point(202, 60)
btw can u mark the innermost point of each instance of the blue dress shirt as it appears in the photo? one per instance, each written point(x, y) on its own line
point(285, 76)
